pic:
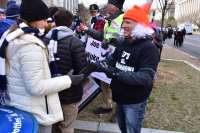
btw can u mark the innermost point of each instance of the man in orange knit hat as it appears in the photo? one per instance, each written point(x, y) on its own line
point(114, 18)
point(132, 67)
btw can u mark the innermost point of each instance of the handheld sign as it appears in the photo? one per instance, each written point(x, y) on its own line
point(95, 52)
point(13, 120)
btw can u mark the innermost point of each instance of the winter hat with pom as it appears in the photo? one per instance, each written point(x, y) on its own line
point(12, 10)
point(33, 10)
point(11, 2)
point(138, 14)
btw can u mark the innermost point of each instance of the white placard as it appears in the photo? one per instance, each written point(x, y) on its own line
point(95, 53)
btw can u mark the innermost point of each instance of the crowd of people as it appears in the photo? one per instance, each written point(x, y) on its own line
point(178, 33)
point(41, 57)
point(179, 36)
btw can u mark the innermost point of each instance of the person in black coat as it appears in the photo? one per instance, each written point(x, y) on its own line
point(132, 68)
point(69, 54)
point(184, 33)
point(179, 37)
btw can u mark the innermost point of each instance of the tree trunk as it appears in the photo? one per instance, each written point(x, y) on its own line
point(162, 24)
point(162, 20)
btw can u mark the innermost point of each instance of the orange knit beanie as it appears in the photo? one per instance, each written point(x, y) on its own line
point(138, 14)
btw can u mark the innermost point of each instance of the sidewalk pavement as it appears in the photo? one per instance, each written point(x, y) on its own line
point(169, 53)
point(100, 127)
point(196, 33)
point(173, 53)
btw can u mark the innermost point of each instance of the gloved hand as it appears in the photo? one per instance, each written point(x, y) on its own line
point(112, 72)
point(99, 66)
point(103, 66)
point(93, 67)
point(104, 45)
point(88, 69)
point(76, 79)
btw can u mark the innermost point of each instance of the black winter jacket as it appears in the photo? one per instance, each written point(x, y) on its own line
point(136, 64)
point(71, 54)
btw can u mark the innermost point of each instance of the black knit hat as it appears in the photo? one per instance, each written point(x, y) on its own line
point(117, 3)
point(33, 10)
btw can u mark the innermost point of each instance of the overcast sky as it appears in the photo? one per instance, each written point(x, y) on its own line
point(128, 3)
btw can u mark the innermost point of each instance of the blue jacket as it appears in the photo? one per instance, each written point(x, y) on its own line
point(5, 25)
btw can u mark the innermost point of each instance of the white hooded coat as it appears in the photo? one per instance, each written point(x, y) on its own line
point(29, 80)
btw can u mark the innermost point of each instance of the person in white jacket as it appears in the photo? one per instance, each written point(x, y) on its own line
point(29, 83)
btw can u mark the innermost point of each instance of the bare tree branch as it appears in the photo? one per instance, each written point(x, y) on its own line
point(195, 18)
point(159, 9)
point(161, 4)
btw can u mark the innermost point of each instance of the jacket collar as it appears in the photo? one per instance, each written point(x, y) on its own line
point(27, 38)
point(115, 15)
point(33, 39)
point(63, 32)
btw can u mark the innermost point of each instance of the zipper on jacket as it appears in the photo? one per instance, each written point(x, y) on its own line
point(46, 104)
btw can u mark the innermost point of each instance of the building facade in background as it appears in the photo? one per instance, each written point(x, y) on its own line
point(186, 9)
point(171, 9)
point(156, 9)
point(71, 5)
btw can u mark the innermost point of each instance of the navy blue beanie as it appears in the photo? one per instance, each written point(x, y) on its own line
point(12, 10)
point(11, 2)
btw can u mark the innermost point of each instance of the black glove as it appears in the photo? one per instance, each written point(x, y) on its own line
point(76, 79)
point(92, 67)
point(100, 66)
point(105, 45)
point(112, 72)
point(88, 69)
point(103, 66)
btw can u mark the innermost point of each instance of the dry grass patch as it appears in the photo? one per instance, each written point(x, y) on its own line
point(173, 105)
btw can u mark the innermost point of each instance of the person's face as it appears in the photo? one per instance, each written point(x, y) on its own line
point(2, 16)
point(93, 13)
point(110, 10)
point(128, 26)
